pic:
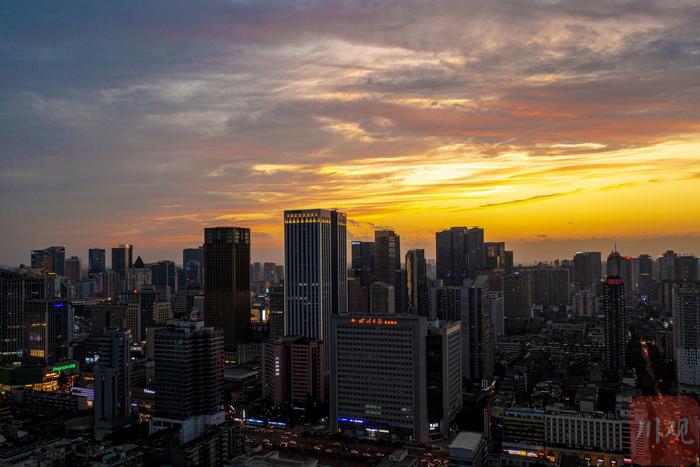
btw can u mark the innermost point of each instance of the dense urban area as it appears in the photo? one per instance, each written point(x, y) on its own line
point(385, 358)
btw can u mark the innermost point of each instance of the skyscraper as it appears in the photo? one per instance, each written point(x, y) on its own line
point(615, 326)
point(189, 375)
point(387, 250)
point(686, 337)
point(363, 262)
point(96, 260)
point(452, 255)
point(49, 329)
point(227, 283)
point(643, 271)
point(49, 259)
point(192, 265)
point(315, 282)
point(417, 283)
point(379, 387)
point(164, 274)
point(381, 299)
point(122, 258)
point(443, 363)
point(73, 268)
point(112, 382)
point(15, 290)
point(293, 371)
point(516, 300)
point(476, 254)
point(587, 270)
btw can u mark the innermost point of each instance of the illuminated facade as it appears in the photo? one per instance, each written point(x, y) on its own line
point(315, 284)
point(616, 326)
point(378, 376)
point(49, 331)
point(15, 290)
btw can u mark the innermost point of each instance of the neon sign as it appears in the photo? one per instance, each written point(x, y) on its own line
point(67, 366)
point(378, 321)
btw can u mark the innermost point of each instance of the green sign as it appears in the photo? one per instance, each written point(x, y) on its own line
point(67, 366)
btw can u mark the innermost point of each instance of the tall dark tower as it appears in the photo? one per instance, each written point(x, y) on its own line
point(227, 283)
point(417, 283)
point(96, 260)
point(387, 249)
point(122, 258)
point(615, 326)
point(452, 255)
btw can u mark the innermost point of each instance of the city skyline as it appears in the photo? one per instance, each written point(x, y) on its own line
point(535, 121)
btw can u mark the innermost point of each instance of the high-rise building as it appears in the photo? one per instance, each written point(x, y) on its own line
point(276, 316)
point(164, 274)
point(192, 265)
point(96, 261)
point(443, 363)
point(49, 330)
point(189, 377)
point(315, 270)
point(73, 268)
point(643, 274)
point(112, 382)
point(686, 338)
point(516, 300)
point(363, 262)
point(379, 388)
point(549, 286)
point(227, 283)
point(49, 259)
point(15, 290)
point(293, 372)
point(476, 254)
point(667, 266)
point(587, 270)
point(478, 346)
point(387, 251)
point(358, 295)
point(686, 268)
point(616, 326)
point(122, 258)
point(452, 256)
point(417, 283)
point(381, 299)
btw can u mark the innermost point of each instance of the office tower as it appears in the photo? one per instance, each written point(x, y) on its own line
point(96, 261)
point(516, 300)
point(134, 321)
point(192, 265)
point(495, 299)
point(276, 317)
point(381, 299)
point(189, 377)
point(549, 286)
point(15, 290)
point(315, 270)
point(73, 269)
point(443, 363)
point(400, 291)
point(452, 256)
point(227, 283)
point(476, 255)
point(363, 262)
point(477, 333)
point(509, 261)
point(293, 372)
point(387, 252)
point(162, 312)
point(49, 259)
point(122, 258)
point(358, 296)
point(147, 298)
point(667, 266)
point(164, 274)
point(449, 303)
point(184, 300)
point(644, 265)
point(107, 315)
point(417, 283)
point(587, 270)
point(112, 382)
point(379, 388)
point(615, 326)
point(686, 338)
point(495, 255)
point(686, 268)
point(49, 330)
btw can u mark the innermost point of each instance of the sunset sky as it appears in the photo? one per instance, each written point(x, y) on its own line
point(556, 126)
